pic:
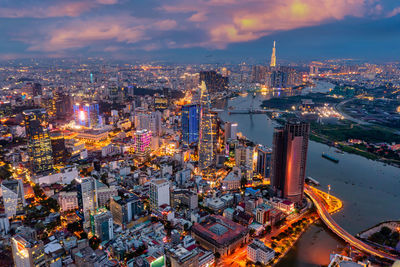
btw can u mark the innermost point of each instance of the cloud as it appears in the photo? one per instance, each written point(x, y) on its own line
point(45, 9)
point(232, 21)
point(112, 26)
point(99, 31)
point(394, 12)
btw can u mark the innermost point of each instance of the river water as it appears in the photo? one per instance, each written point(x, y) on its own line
point(370, 190)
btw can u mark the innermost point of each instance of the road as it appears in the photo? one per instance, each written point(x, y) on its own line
point(338, 108)
point(339, 231)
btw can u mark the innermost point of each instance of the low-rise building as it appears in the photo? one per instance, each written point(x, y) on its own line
point(185, 198)
point(68, 200)
point(219, 234)
point(257, 251)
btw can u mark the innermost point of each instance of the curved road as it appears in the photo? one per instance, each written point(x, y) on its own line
point(330, 222)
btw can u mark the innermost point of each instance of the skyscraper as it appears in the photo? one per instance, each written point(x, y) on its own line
point(231, 130)
point(58, 147)
point(86, 197)
point(13, 197)
point(273, 57)
point(142, 143)
point(27, 252)
point(263, 164)
point(159, 193)
point(290, 144)
point(206, 150)
point(214, 81)
point(190, 124)
point(87, 114)
point(37, 89)
point(102, 224)
point(38, 140)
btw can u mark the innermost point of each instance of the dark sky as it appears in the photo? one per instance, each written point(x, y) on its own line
point(201, 30)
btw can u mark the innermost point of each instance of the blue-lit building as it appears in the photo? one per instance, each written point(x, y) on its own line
point(190, 123)
point(263, 165)
point(87, 114)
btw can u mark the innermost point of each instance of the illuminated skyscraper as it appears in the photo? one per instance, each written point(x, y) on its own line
point(38, 140)
point(159, 193)
point(215, 82)
point(27, 252)
point(102, 224)
point(58, 147)
point(87, 114)
point(273, 57)
point(290, 144)
point(86, 197)
point(206, 150)
point(142, 143)
point(190, 124)
point(263, 163)
point(13, 197)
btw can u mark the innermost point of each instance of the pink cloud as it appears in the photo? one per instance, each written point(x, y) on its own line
point(231, 21)
point(83, 33)
point(56, 9)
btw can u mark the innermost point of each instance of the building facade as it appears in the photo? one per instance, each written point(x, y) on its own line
point(290, 144)
point(27, 252)
point(206, 142)
point(38, 140)
point(159, 193)
point(190, 124)
point(13, 197)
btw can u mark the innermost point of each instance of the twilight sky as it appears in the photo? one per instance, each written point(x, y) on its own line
point(201, 30)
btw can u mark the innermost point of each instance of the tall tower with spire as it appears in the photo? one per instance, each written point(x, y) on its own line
point(273, 57)
point(206, 151)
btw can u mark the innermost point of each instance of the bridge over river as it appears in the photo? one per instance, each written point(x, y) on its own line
point(339, 231)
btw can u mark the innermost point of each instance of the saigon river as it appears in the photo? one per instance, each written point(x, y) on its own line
point(369, 189)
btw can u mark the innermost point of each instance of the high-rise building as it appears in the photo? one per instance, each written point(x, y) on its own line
point(27, 252)
point(149, 121)
point(86, 196)
point(282, 77)
point(125, 209)
point(214, 81)
point(37, 89)
point(273, 57)
point(159, 193)
point(263, 163)
point(142, 143)
point(290, 144)
point(87, 114)
point(13, 197)
point(206, 142)
point(161, 103)
point(63, 105)
point(38, 140)
point(102, 224)
point(190, 124)
point(58, 147)
point(231, 130)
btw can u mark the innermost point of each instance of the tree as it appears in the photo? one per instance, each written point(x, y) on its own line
point(243, 182)
point(74, 227)
point(94, 242)
point(385, 231)
point(252, 231)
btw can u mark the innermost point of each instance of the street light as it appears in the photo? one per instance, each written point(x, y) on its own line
point(329, 190)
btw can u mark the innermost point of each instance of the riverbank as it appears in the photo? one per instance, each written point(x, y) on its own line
point(338, 134)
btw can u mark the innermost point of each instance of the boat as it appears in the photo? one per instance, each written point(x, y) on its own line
point(330, 158)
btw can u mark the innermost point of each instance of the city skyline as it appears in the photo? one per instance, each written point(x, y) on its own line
point(163, 31)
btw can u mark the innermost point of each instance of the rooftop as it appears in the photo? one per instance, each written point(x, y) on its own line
point(219, 230)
